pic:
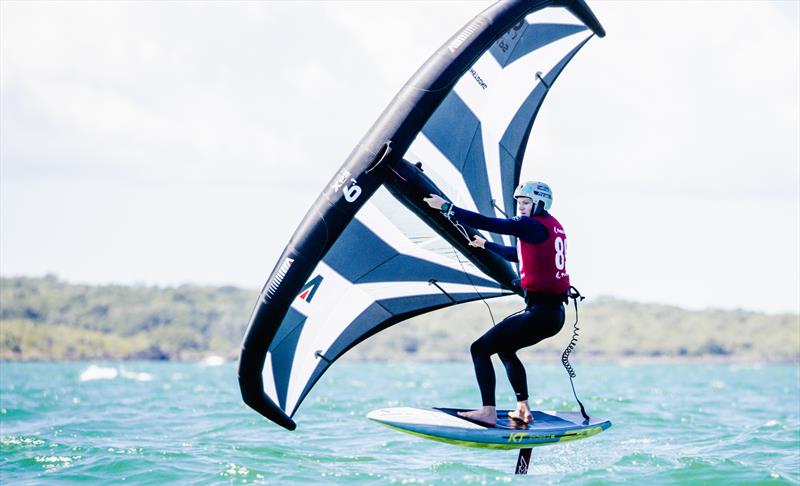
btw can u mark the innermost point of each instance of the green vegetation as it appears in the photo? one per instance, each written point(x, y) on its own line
point(45, 318)
point(48, 319)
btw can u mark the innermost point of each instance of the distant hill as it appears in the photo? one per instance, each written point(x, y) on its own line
point(49, 319)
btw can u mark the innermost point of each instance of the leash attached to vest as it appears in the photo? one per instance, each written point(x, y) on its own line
point(575, 295)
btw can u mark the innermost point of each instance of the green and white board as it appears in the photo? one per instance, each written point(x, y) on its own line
point(445, 425)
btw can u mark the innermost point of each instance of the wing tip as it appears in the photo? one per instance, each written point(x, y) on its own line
point(252, 389)
point(261, 403)
point(580, 9)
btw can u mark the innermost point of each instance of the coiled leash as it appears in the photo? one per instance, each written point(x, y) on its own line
point(575, 295)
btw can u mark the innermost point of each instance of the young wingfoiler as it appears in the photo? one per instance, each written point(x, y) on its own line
point(370, 253)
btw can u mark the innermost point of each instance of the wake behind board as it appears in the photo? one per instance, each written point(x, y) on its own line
point(445, 425)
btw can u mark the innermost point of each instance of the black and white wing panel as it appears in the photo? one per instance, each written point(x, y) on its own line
point(474, 143)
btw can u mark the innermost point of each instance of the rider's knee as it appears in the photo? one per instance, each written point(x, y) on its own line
point(478, 348)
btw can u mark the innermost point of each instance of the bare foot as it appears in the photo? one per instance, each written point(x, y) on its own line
point(485, 415)
point(522, 413)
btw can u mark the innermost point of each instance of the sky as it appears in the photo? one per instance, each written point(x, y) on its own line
point(156, 143)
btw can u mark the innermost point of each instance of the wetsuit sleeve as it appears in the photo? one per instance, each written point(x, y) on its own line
point(527, 229)
point(507, 252)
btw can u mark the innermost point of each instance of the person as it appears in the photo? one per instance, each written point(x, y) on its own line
point(541, 253)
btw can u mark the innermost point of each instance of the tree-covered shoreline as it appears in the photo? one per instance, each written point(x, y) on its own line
point(49, 319)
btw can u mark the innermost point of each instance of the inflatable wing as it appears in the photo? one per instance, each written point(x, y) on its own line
point(370, 253)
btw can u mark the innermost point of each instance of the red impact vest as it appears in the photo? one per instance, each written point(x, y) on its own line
point(543, 266)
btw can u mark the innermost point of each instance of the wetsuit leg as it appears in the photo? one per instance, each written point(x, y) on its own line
point(515, 372)
point(513, 333)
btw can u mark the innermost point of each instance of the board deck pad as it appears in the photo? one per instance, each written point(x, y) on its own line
point(445, 425)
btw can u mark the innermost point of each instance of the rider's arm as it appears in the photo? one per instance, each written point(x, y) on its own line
point(507, 252)
point(527, 229)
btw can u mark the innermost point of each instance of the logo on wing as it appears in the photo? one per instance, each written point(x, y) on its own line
point(309, 289)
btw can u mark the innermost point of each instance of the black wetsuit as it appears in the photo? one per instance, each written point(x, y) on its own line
point(542, 318)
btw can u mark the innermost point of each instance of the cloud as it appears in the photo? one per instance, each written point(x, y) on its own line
point(233, 116)
point(203, 91)
point(699, 100)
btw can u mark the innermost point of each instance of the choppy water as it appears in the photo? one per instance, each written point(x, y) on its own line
point(144, 422)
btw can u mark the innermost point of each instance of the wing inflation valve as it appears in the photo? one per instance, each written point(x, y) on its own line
point(385, 150)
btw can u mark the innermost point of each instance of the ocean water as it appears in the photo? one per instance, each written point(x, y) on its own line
point(182, 423)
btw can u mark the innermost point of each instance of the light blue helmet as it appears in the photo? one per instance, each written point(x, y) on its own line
point(539, 192)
